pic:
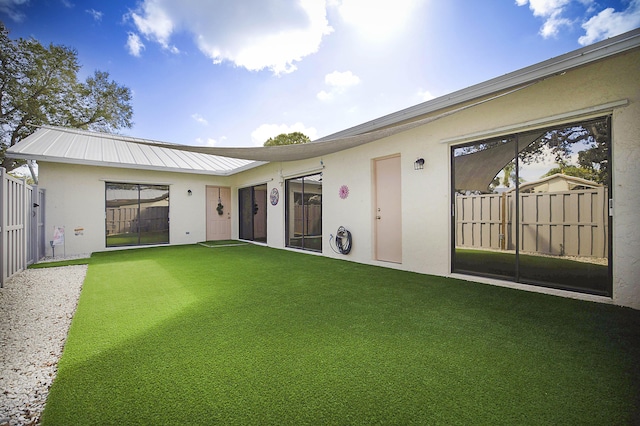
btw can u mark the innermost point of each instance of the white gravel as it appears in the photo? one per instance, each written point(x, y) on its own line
point(36, 307)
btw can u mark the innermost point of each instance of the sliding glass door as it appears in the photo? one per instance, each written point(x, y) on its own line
point(136, 214)
point(253, 213)
point(304, 212)
point(532, 207)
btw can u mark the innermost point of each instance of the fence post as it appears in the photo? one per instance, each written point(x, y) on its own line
point(3, 226)
point(26, 220)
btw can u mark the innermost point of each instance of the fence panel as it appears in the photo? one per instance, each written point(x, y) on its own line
point(570, 223)
point(13, 226)
point(479, 221)
point(21, 225)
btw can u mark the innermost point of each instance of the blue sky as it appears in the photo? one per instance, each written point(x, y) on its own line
point(236, 72)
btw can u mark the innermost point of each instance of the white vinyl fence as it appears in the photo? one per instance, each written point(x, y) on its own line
point(568, 223)
point(22, 240)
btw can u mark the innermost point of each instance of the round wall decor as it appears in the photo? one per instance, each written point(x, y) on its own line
point(274, 197)
point(344, 191)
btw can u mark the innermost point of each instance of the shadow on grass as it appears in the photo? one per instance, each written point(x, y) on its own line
point(252, 335)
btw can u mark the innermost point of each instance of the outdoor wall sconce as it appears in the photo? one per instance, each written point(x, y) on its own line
point(189, 193)
point(419, 164)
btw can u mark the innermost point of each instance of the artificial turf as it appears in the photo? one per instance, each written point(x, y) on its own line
point(253, 335)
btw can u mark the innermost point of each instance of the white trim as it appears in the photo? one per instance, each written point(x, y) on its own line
point(135, 182)
point(580, 114)
point(259, 183)
point(302, 173)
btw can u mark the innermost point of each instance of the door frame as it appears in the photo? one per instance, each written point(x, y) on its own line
point(227, 211)
point(396, 257)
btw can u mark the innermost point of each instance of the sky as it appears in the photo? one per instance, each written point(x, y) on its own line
point(237, 72)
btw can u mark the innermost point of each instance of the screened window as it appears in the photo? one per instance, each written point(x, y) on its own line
point(533, 207)
point(304, 212)
point(136, 214)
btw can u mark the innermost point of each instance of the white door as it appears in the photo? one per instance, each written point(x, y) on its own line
point(218, 225)
point(388, 210)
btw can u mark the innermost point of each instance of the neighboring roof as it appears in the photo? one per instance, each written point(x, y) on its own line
point(572, 181)
point(63, 145)
point(122, 151)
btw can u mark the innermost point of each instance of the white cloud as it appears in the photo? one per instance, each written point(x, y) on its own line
point(606, 23)
point(544, 8)
point(200, 119)
point(154, 22)
point(338, 83)
point(552, 25)
point(10, 8)
point(206, 142)
point(134, 44)
point(341, 79)
point(609, 23)
point(97, 15)
point(376, 19)
point(551, 11)
point(260, 135)
point(425, 95)
point(254, 34)
point(324, 95)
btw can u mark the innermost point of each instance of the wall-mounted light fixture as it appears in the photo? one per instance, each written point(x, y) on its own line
point(189, 193)
point(419, 164)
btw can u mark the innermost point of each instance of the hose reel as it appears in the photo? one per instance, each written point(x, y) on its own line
point(343, 240)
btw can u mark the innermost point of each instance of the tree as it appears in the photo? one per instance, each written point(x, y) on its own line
point(593, 137)
point(39, 85)
point(288, 139)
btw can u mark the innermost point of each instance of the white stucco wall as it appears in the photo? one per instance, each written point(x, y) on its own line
point(426, 215)
point(75, 194)
point(75, 199)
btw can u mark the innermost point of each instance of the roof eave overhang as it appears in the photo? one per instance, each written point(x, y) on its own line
point(51, 159)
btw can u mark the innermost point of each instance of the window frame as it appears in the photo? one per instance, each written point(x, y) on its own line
point(518, 277)
point(156, 232)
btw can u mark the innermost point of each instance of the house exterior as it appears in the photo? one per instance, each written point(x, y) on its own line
point(414, 188)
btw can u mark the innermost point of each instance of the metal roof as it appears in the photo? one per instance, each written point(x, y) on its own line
point(63, 145)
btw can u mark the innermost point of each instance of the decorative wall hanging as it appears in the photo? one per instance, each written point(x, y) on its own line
point(220, 207)
point(275, 196)
point(344, 191)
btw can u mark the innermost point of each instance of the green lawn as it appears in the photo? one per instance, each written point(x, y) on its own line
point(253, 335)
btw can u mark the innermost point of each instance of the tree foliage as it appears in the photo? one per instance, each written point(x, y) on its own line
point(592, 160)
point(39, 85)
point(288, 139)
